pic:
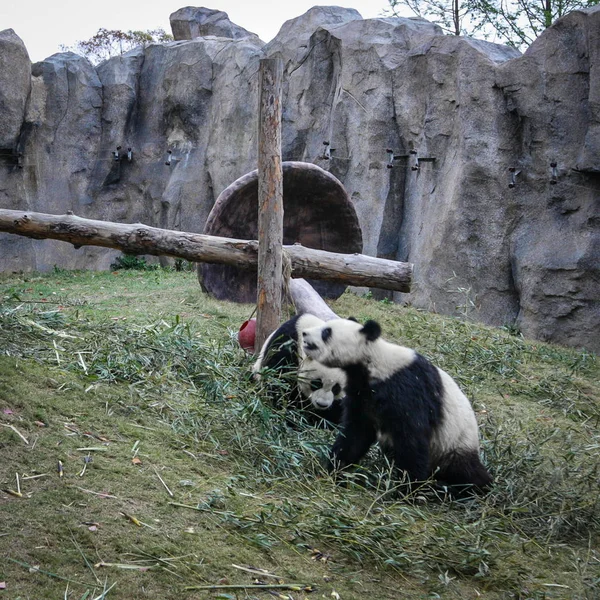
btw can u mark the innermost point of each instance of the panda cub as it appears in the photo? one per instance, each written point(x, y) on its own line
point(322, 386)
point(394, 395)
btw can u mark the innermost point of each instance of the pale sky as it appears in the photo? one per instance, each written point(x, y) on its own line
point(44, 25)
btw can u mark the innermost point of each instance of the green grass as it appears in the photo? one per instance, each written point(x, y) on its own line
point(189, 472)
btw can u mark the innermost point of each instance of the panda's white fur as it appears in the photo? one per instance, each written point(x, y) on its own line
point(332, 383)
point(458, 429)
point(319, 384)
point(415, 410)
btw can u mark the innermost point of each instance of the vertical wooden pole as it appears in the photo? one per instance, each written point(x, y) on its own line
point(270, 200)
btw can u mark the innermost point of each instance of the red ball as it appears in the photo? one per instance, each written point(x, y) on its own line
point(247, 335)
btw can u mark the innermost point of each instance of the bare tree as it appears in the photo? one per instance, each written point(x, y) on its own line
point(448, 14)
point(519, 22)
point(513, 22)
point(113, 42)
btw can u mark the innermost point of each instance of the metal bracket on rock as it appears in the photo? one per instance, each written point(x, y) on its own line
point(415, 159)
point(327, 151)
point(513, 177)
point(118, 156)
point(554, 175)
point(392, 157)
point(420, 159)
point(171, 160)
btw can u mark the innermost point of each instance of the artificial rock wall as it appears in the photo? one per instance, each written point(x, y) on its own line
point(463, 110)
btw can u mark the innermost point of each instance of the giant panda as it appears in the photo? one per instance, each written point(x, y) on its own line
point(394, 395)
point(322, 386)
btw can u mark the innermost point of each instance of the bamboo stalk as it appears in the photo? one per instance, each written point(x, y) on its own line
point(264, 586)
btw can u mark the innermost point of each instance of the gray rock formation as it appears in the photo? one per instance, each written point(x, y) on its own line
point(554, 92)
point(458, 113)
point(190, 22)
point(15, 84)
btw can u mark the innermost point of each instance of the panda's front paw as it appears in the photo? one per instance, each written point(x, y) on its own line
point(329, 464)
point(334, 464)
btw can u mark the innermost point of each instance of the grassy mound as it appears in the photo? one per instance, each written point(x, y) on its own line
point(179, 481)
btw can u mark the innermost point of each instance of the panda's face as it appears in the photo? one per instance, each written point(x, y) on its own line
point(325, 392)
point(322, 386)
point(322, 398)
point(341, 342)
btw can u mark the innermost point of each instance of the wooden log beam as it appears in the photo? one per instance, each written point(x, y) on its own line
point(270, 201)
point(351, 269)
point(308, 300)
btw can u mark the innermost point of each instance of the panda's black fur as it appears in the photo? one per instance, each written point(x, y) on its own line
point(281, 348)
point(282, 352)
point(410, 409)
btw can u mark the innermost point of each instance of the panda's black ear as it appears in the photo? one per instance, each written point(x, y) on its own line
point(353, 319)
point(371, 330)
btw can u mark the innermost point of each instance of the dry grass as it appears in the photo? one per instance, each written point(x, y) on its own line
point(177, 476)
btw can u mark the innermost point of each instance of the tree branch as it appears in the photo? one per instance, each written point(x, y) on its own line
point(350, 269)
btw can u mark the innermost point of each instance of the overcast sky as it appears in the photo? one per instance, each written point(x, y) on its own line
point(45, 25)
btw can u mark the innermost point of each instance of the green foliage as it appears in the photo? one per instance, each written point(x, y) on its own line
point(131, 261)
point(181, 264)
point(513, 22)
point(518, 23)
point(138, 263)
point(113, 42)
point(450, 15)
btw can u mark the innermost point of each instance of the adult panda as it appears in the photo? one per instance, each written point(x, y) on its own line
point(394, 395)
point(321, 386)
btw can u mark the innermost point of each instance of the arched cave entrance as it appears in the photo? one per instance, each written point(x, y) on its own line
point(317, 213)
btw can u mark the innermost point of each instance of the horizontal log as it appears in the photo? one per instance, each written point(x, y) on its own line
point(351, 269)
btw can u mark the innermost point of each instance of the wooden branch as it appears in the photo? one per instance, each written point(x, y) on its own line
point(351, 269)
point(270, 201)
point(308, 300)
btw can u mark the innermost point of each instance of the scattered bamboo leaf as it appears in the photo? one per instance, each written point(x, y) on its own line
point(164, 484)
point(256, 571)
point(141, 568)
point(36, 569)
point(16, 431)
point(133, 519)
point(101, 494)
point(294, 587)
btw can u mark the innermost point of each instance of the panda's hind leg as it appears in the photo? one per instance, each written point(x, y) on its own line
point(411, 455)
point(463, 469)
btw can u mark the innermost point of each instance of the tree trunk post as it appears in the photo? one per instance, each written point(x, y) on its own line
point(270, 201)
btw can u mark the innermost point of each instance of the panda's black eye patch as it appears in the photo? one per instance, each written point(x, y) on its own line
point(326, 334)
point(316, 384)
point(336, 389)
